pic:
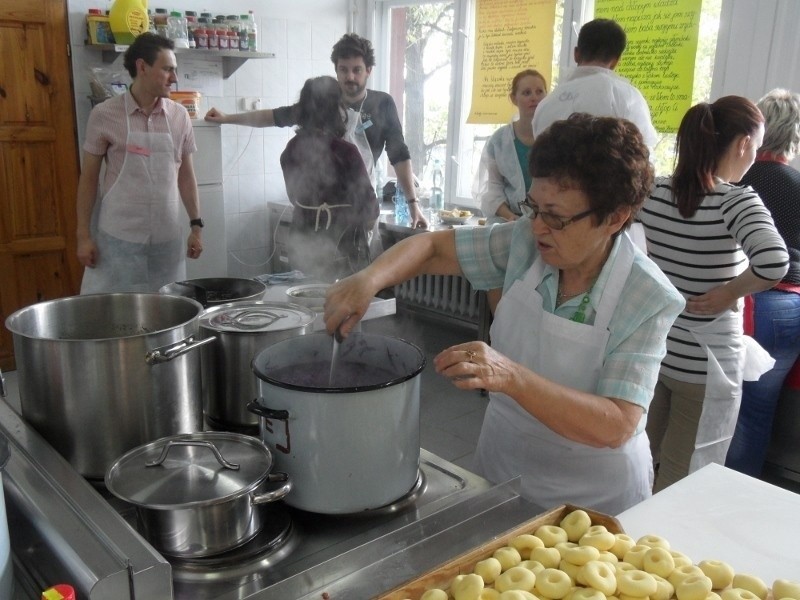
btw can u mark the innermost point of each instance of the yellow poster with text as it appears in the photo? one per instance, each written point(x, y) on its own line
point(661, 52)
point(510, 35)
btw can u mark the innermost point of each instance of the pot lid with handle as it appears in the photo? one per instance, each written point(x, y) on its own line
point(257, 317)
point(188, 470)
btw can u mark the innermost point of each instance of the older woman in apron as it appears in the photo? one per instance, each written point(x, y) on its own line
point(579, 331)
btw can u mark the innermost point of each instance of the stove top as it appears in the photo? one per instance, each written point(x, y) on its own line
point(64, 530)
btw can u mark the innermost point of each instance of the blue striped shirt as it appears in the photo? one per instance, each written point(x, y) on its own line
point(501, 254)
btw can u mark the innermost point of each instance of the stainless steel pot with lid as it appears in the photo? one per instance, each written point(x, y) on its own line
point(198, 494)
point(242, 329)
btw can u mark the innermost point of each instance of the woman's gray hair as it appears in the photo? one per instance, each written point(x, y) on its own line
point(781, 110)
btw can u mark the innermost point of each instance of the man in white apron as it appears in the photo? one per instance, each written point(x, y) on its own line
point(146, 141)
point(372, 121)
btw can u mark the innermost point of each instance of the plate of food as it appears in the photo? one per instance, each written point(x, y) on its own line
point(455, 216)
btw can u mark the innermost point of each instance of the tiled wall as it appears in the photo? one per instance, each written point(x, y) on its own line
point(301, 35)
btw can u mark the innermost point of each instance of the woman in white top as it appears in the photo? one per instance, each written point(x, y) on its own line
point(503, 177)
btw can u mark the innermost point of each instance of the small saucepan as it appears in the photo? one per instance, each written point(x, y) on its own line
point(198, 494)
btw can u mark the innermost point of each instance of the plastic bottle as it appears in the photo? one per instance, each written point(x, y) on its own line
point(252, 32)
point(177, 29)
point(401, 214)
point(222, 36)
point(437, 192)
point(128, 19)
point(213, 38)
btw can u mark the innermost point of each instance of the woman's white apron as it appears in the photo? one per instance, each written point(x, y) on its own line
point(553, 469)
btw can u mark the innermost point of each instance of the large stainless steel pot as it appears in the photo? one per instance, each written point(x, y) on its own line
point(242, 329)
point(213, 291)
point(199, 494)
point(103, 373)
point(348, 446)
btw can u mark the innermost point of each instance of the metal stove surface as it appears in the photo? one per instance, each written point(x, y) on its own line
point(296, 542)
point(64, 530)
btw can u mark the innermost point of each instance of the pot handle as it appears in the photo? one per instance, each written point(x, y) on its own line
point(167, 353)
point(269, 413)
point(274, 494)
point(172, 443)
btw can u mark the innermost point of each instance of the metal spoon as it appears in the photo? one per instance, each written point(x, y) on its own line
point(337, 339)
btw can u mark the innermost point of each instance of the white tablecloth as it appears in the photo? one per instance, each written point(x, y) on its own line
point(718, 513)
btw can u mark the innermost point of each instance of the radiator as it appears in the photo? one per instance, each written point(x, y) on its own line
point(449, 295)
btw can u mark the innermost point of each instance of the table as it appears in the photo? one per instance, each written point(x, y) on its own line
point(717, 513)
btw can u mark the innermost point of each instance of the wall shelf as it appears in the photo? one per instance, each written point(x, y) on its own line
point(231, 59)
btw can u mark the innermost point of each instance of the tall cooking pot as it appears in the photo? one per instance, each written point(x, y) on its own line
point(350, 443)
point(242, 329)
point(103, 373)
point(213, 291)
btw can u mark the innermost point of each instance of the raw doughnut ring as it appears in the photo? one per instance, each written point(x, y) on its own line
point(720, 573)
point(576, 524)
point(508, 557)
point(586, 594)
point(608, 556)
point(713, 596)
point(434, 594)
point(516, 595)
point(489, 594)
point(516, 578)
point(737, 594)
point(681, 560)
point(696, 587)
point(635, 555)
point(658, 561)
point(636, 583)
point(466, 587)
point(600, 576)
point(570, 569)
point(680, 573)
point(783, 588)
point(625, 566)
point(622, 544)
point(553, 584)
point(551, 535)
point(751, 583)
point(488, 569)
point(580, 555)
point(599, 537)
point(654, 541)
point(535, 566)
point(525, 543)
point(549, 557)
point(665, 589)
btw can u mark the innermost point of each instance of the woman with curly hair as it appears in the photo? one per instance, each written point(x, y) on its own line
point(580, 328)
point(717, 243)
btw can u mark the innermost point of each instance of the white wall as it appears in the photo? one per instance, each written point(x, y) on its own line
point(300, 34)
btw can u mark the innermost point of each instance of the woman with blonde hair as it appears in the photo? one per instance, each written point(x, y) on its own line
point(503, 178)
point(717, 243)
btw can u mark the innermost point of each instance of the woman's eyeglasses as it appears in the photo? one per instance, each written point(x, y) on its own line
point(531, 210)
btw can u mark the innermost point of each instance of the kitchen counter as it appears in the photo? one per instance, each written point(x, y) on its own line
point(717, 513)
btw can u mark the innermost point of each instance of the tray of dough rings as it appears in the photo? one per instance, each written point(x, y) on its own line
point(571, 553)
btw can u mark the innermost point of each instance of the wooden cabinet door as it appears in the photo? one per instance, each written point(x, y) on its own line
point(38, 160)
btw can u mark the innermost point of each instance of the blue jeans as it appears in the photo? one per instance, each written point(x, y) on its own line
point(777, 328)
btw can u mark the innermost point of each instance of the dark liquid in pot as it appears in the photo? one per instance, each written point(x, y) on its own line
point(348, 374)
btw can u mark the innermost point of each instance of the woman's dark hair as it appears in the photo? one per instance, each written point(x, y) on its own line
point(705, 134)
point(351, 45)
point(321, 106)
point(604, 157)
point(147, 46)
point(601, 39)
point(526, 73)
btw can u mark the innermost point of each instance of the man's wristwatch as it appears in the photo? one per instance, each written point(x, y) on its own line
point(196, 223)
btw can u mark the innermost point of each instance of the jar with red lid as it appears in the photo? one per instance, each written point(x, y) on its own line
point(201, 38)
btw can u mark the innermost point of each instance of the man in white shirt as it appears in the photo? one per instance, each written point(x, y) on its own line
point(593, 87)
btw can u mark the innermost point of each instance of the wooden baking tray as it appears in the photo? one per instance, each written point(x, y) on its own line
point(443, 575)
